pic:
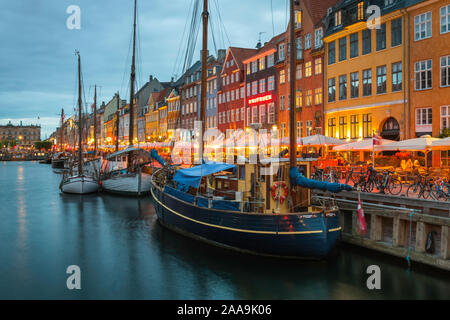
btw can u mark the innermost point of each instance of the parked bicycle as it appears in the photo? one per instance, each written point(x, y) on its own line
point(421, 188)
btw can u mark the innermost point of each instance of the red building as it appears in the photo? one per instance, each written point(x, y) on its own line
point(309, 73)
point(261, 84)
point(231, 95)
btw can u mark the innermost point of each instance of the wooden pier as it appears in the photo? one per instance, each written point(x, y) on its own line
point(397, 225)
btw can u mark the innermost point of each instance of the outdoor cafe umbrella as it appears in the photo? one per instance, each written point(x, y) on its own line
point(320, 140)
point(443, 144)
point(363, 145)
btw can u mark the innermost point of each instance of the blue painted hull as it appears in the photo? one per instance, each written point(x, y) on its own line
point(286, 235)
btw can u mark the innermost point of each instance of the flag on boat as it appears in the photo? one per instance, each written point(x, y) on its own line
point(362, 226)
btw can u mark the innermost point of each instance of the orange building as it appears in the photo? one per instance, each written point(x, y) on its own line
point(429, 32)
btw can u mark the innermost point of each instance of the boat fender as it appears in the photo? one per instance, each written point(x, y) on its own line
point(279, 195)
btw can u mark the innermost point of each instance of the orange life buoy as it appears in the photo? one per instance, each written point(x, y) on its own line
point(276, 195)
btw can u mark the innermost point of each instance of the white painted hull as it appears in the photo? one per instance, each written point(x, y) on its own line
point(79, 185)
point(128, 184)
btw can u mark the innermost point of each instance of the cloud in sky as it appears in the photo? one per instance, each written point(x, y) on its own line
point(38, 64)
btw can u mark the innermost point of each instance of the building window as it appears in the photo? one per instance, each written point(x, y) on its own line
point(282, 102)
point(309, 129)
point(248, 91)
point(318, 95)
point(343, 127)
point(361, 10)
point(254, 67)
point(338, 18)
point(332, 127)
point(367, 125)
point(298, 99)
point(381, 79)
point(255, 114)
point(249, 117)
point(367, 82)
point(367, 41)
point(381, 37)
point(342, 49)
point(254, 87)
point(318, 65)
point(262, 85)
point(308, 98)
point(331, 52)
point(445, 158)
point(299, 129)
point(299, 51)
point(445, 117)
point(262, 114)
point(270, 83)
point(424, 116)
point(445, 71)
point(271, 108)
point(298, 71)
point(331, 89)
point(397, 76)
point(308, 41)
point(270, 60)
point(354, 126)
point(282, 76)
point(343, 87)
point(445, 19)
point(308, 69)
point(423, 75)
point(422, 26)
point(281, 48)
point(396, 32)
point(318, 35)
point(354, 45)
point(298, 19)
point(262, 63)
point(354, 85)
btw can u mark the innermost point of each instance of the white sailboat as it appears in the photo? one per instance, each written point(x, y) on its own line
point(79, 183)
point(131, 180)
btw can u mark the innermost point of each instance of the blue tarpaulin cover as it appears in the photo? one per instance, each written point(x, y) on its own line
point(192, 176)
point(202, 202)
point(225, 205)
point(298, 179)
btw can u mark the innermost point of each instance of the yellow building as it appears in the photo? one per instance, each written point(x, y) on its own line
point(151, 118)
point(366, 84)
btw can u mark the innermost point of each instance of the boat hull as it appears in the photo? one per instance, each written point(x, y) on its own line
point(128, 184)
point(281, 235)
point(79, 185)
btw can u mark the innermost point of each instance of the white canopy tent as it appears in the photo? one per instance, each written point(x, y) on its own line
point(319, 140)
point(363, 145)
point(443, 144)
point(423, 143)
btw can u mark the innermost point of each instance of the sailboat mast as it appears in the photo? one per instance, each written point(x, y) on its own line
point(61, 143)
point(95, 119)
point(204, 59)
point(132, 80)
point(291, 76)
point(80, 127)
point(117, 121)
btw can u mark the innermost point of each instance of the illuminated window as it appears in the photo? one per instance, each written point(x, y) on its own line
point(298, 19)
point(282, 76)
point(343, 127)
point(318, 65)
point(318, 95)
point(332, 127)
point(367, 125)
point(308, 68)
point(299, 129)
point(354, 126)
point(308, 98)
point(361, 11)
point(338, 18)
point(261, 63)
point(298, 99)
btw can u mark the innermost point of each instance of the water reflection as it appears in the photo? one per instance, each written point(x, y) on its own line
point(124, 253)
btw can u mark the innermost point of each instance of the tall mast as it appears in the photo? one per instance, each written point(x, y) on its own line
point(61, 142)
point(291, 76)
point(95, 119)
point(204, 58)
point(117, 121)
point(133, 76)
point(80, 127)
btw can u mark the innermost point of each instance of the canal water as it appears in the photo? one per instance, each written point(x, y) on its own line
point(124, 253)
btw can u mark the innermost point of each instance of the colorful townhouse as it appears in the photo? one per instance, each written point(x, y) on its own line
point(261, 84)
point(231, 95)
point(309, 69)
point(190, 90)
point(366, 74)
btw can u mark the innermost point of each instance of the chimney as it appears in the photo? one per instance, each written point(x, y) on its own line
point(258, 45)
point(151, 78)
point(221, 54)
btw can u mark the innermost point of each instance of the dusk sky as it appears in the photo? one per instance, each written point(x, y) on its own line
point(38, 64)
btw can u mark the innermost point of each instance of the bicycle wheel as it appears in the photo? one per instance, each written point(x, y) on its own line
point(395, 186)
point(369, 185)
point(426, 190)
point(413, 191)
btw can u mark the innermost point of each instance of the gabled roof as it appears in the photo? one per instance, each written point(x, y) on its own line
point(240, 54)
point(271, 45)
point(318, 9)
